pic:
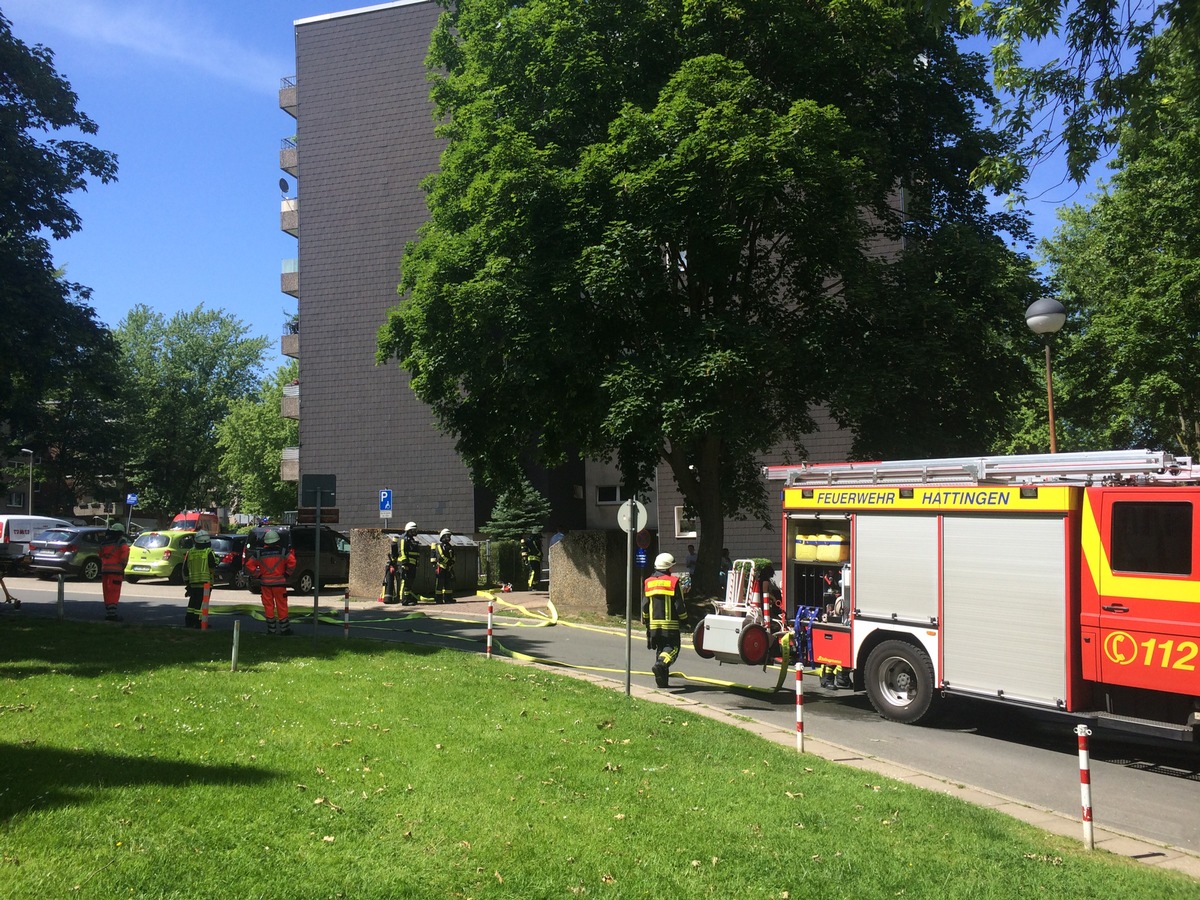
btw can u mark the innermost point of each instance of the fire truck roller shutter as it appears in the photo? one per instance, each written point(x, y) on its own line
point(895, 567)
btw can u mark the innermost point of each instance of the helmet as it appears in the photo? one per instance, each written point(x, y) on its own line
point(664, 561)
point(116, 526)
point(271, 537)
point(411, 526)
point(444, 533)
point(203, 537)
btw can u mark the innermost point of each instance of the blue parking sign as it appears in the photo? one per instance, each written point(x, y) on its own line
point(385, 503)
point(131, 499)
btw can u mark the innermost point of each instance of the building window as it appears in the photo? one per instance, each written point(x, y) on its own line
point(685, 525)
point(16, 500)
point(610, 494)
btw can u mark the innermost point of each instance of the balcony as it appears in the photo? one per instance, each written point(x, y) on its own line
point(289, 157)
point(289, 464)
point(289, 277)
point(289, 345)
point(289, 405)
point(289, 215)
point(287, 95)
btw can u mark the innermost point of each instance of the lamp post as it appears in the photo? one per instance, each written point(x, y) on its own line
point(29, 496)
point(1046, 317)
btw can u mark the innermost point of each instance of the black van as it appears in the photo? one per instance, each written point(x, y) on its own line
point(302, 539)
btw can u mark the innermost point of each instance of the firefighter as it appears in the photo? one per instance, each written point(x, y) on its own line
point(273, 567)
point(441, 557)
point(531, 559)
point(664, 614)
point(114, 555)
point(410, 556)
point(391, 574)
point(199, 564)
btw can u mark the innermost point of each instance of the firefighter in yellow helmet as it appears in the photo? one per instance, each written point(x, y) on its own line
point(664, 614)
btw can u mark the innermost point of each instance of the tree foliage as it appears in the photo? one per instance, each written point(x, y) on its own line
point(50, 336)
point(660, 232)
point(251, 439)
point(1073, 100)
point(1128, 268)
point(519, 511)
point(183, 375)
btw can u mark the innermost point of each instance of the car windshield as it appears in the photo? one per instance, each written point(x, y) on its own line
point(223, 545)
point(151, 540)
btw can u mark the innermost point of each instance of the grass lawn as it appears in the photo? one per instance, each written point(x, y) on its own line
point(133, 763)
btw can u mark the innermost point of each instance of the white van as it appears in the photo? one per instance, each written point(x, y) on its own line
point(17, 531)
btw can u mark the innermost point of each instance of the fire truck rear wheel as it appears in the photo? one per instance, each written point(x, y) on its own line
point(899, 682)
point(698, 641)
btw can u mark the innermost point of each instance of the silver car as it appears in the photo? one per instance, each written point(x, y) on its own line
point(74, 552)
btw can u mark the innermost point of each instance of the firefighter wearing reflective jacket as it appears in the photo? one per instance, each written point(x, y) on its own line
point(441, 557)
point(410, 556)
point(531, 559)
point(114, 555)
point(199, 563)
point(391, 574)
point(664, 614)
point(273, 567)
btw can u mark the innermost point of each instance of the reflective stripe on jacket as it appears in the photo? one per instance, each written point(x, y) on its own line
point(199, 565)
point(272, 568)
point(410, 551)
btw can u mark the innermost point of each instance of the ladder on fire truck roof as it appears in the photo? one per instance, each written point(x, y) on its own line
point(1144, 466)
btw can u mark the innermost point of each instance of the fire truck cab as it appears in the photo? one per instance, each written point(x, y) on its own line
point(1066, 582)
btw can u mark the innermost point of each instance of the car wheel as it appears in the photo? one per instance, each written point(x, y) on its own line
point(90, 570)
point(176, 576)
point(305, 583)
point(133, 579)
point(241, 579)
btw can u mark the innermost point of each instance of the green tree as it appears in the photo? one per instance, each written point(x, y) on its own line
point(251, 439)
point(50, 335)
point(653, 218)
point(518, 511)
point(183, 376)
point(1128, 268)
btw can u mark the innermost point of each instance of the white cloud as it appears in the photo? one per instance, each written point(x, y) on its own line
point(175, 33)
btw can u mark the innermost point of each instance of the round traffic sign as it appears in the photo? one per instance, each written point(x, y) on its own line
point(632, 516)
point(642, 538)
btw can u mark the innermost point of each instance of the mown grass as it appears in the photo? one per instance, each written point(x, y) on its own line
point(133, 763)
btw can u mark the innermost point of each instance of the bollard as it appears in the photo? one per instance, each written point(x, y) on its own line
point(799, 709)
point(204, 606)
point(1085, 786)
point(237, 634)
point(489, 633)
point(61, 596)
point(346, 613)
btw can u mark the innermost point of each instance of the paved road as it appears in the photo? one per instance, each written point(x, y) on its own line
point(1150, 791)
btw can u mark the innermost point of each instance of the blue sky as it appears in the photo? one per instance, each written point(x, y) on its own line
point(186, 93)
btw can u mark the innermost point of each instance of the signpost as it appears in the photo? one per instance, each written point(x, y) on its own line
point(131, 502)
point(632, 519)
point(314, 491)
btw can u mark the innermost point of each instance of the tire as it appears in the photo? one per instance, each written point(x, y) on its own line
point(305, 583)
point(753, 644)
point(133, 579)
point(698, 642)
point(176, 576)
point(90, 570)
point(240, 580)
point(899, 682)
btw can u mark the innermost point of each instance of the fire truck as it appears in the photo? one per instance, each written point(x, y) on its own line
point(1067, 582)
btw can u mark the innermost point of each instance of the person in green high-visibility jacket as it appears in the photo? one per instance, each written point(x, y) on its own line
point(664, 613)
point(199, 564)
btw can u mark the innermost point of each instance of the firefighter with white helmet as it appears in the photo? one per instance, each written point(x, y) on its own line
point(664, 614)
point(441, 557)
point(410, 556)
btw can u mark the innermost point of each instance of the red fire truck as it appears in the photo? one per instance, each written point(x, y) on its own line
point(1066, 582)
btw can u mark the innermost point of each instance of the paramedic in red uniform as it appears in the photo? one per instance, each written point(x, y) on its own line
point(663, 614)
point(114, 554)
point(273, 567)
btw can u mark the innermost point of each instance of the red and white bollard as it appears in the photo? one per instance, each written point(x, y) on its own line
point(346, 614)
point(799, 709)
point(1085, 786)
point(489, 631)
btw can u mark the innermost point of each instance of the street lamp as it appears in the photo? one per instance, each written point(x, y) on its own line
point(29, 496)
point(1047, 316)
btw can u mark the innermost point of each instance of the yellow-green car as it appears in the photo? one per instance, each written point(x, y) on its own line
point(157, 554)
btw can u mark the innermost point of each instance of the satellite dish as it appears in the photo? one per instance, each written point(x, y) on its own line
point(283, 185)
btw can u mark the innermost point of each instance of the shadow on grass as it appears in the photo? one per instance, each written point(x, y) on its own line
point(39, 778)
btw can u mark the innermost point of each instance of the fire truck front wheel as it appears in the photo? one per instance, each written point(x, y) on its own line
point(899, 682)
